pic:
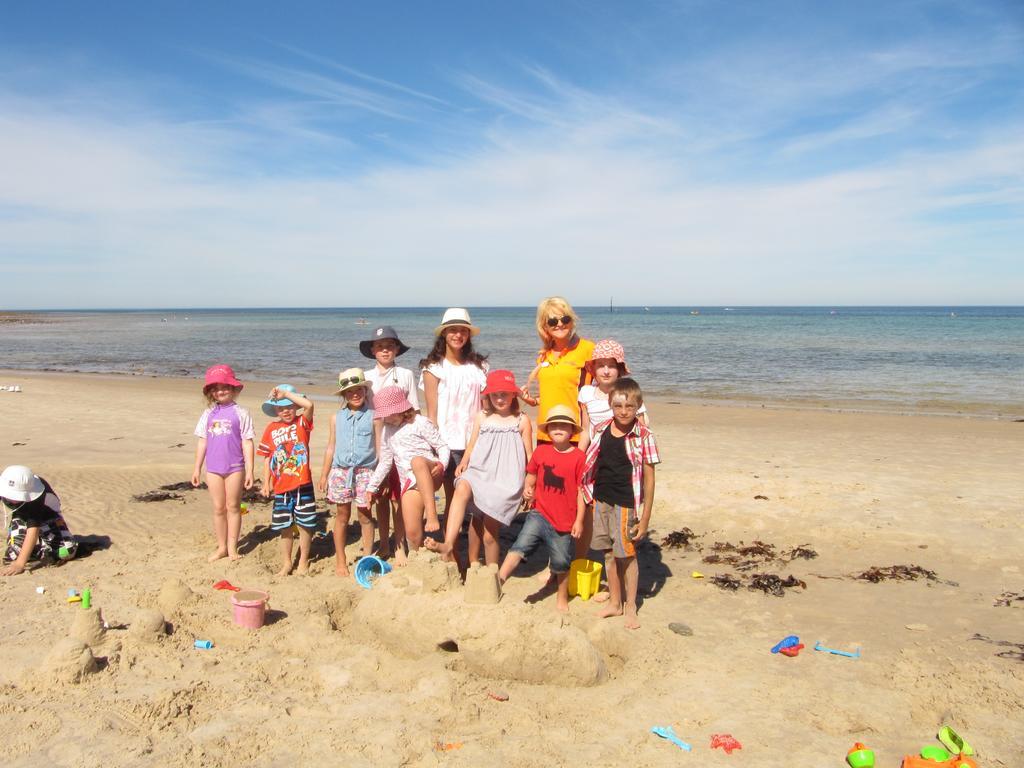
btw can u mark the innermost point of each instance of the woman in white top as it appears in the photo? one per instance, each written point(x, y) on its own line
point(453, 378)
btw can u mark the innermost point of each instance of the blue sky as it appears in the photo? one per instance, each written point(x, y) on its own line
point(489, 153)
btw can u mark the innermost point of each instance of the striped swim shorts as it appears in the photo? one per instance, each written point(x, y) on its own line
point(296, 507)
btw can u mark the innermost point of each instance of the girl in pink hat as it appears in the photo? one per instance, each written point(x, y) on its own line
point(412, 444)
point(225, 445)
point(489, 478)
point(607, 363)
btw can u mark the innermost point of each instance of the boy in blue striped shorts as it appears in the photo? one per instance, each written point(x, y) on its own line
point(285, 451)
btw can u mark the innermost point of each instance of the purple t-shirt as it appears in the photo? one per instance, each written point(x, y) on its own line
point(225, 427)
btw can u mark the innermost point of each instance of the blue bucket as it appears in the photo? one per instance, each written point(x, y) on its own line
point(369, 569)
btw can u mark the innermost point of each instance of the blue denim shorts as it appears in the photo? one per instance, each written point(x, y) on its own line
point(537, 529)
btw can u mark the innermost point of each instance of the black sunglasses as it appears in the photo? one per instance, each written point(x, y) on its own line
point(554, 322)
point(350, 380)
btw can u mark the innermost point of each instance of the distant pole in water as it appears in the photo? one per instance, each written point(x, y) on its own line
point(611, 303)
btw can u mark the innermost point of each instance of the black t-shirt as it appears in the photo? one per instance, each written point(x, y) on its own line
point(35, 513)
point(613, 472)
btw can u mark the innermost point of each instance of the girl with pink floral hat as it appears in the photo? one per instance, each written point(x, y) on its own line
point(606, 364)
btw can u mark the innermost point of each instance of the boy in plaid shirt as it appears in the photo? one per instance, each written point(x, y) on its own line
point(618, 477)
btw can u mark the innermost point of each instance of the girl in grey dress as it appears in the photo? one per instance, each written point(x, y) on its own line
point(489, 479)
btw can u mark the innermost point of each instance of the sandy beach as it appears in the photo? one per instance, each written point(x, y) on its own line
point(385, 676)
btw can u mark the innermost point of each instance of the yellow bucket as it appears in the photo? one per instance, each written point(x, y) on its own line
point(584, 578)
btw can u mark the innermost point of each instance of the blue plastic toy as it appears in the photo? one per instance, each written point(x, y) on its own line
point(369, 569)
point(787, 642)
point(666, 732)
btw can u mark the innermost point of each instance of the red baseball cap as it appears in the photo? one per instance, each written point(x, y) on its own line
point(501, 381)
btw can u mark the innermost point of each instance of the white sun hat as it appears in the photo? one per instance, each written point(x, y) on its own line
point(17, 483)
point(455, 317)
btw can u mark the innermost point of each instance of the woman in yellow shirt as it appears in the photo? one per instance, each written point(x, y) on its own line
point(561, 363)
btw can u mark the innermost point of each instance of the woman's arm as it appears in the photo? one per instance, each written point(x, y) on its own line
point(430, 382)
point(329, 455)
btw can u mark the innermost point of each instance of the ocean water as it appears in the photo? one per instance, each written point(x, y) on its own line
point(909, 358)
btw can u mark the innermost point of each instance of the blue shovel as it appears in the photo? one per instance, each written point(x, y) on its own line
point(668, 733)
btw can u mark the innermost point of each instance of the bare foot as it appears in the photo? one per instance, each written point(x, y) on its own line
point(235, 557)
point(562, 607)
point(285, 570)
point(400, 559)
point(217, 555)
point(303, 569)
point(544, 576)
point(632, 622)
point(609, 611)
point(440, 547)
point(342, 570)
point(433, 524)
point(601, 597)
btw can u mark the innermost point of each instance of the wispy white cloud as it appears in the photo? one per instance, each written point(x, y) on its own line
point(553, 187)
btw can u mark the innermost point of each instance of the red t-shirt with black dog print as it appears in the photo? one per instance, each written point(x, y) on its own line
point(558, 481)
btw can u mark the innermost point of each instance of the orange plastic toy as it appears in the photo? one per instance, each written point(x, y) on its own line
point(960, 761)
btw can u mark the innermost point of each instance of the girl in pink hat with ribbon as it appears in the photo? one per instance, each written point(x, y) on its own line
point(225, 445)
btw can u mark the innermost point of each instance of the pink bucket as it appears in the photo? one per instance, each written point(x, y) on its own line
point(250, 608)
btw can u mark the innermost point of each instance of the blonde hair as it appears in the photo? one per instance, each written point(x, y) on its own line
point(211, 400)
point(557, 306)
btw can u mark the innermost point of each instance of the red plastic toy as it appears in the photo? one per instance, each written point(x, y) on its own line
point(725, 741)
point(792, 650)
point(224, 584)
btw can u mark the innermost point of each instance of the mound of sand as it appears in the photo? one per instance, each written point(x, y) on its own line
point(489, 643)
point(149, 626)
point(69, 661)
point(88, 628)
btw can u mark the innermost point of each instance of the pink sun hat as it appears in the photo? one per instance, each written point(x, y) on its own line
point(608, 349)
point(221, 374)
point(389, 401)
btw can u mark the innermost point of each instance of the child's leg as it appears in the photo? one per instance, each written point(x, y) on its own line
point(412, 517)
point(233, 498)
point(384, 527)
point(287, 536)
point(476, 538)
point(399, 526)
point(453, 524)
point(492, 546)
point(366, 531)
point(614, 606)
point(630, 571)
point(562, 603)
point(340, 535)
point(425, 484)
point(215, 483)
point(305, 543)
point(508, 567)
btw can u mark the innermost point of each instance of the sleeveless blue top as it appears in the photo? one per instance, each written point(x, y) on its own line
point(353, 438)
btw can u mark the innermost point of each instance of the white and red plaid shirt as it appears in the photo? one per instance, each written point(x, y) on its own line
point(640, 448)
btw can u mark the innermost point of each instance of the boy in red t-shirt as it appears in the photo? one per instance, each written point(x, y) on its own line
point(285, 451)
point(557, 517)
